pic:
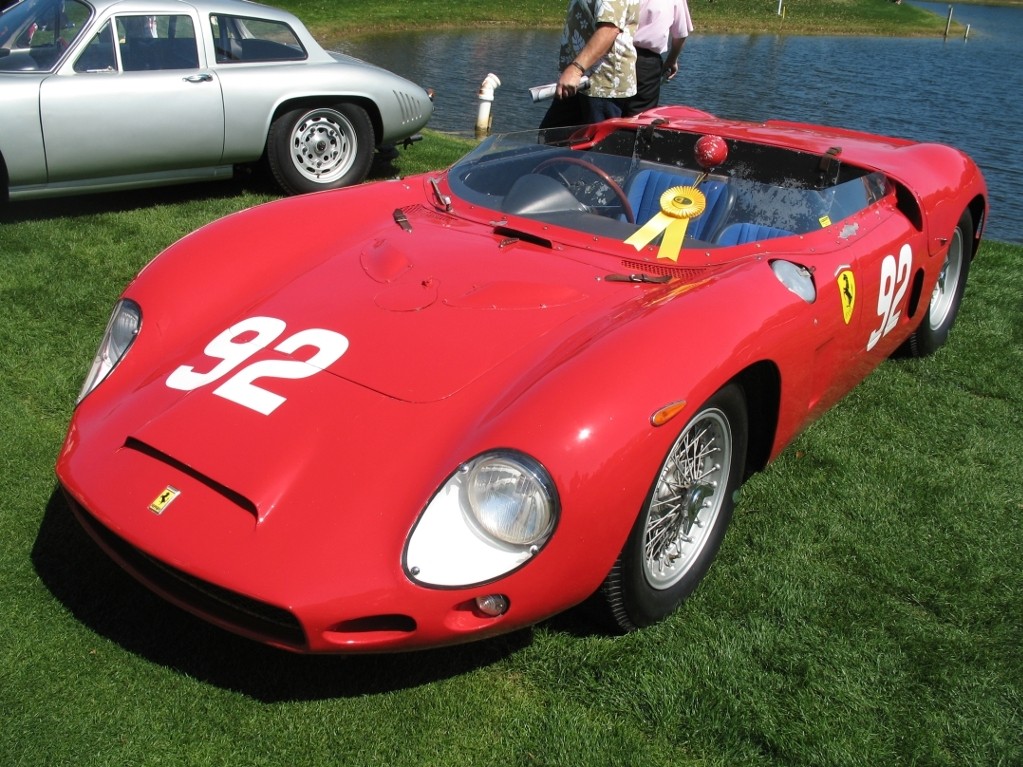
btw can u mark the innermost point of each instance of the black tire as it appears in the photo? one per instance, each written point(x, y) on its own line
point(669, 551)
point(316, 148)
point(943, 308)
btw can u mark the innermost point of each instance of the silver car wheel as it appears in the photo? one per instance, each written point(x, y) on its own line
point(324, 145)
point(314, 148)
point(687, 499)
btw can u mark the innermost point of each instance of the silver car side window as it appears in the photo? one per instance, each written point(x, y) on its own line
point(153, 42)
point(99, 55)
point(238, 39)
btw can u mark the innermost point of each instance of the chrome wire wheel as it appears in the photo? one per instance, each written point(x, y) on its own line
point(324, 145)
point(687, 499)
point(945, 295)
point(933, 330)
point(684, 517)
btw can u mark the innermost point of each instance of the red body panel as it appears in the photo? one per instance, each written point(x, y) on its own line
point(462, 338)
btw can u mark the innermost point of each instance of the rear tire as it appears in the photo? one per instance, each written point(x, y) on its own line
point(948, 293)
point(327, 147)
point(684, 518)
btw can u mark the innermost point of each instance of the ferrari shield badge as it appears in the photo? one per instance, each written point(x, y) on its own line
point(847, 291)
point(164, 499)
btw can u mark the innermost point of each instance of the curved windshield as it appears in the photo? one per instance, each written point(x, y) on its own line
point(35, 33)
point(614, 183)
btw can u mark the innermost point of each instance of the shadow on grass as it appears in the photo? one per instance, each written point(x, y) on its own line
point(111, 603)
point(252, 179)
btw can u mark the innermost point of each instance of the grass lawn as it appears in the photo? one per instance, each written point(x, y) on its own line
point(864, 610)
point(336, 19)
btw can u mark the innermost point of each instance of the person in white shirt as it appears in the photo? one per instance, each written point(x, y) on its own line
point(664, 26)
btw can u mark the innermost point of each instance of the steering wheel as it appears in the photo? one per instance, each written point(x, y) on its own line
point(613, 185)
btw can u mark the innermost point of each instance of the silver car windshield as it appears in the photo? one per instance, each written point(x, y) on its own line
point(618, 182)
point(35, 33)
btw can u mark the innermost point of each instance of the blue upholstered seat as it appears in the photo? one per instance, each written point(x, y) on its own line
point(646, 187)
point(739, 234)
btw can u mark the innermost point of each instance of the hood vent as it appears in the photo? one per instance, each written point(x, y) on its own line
point(687, 273)
point(157, 455)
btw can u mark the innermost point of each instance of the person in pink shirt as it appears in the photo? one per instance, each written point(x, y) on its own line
point(663, 28)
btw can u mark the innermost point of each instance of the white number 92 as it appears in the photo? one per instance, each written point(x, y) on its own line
point(242, 340)
point(894, 282)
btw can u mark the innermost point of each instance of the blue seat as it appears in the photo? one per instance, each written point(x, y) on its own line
point(646, 187)
point(739, 234)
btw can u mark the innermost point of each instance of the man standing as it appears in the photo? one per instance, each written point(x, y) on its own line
point(664, 26)
point(596, 42)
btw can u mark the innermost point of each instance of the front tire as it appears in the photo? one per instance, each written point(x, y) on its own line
point(312, 149)
point(684, 518)
point(948, 292)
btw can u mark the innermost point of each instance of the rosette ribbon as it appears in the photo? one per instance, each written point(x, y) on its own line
point(678, 205)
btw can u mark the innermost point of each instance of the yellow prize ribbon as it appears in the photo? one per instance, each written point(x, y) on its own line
point(678, 205)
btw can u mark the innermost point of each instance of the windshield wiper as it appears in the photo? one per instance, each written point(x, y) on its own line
point(443, 199)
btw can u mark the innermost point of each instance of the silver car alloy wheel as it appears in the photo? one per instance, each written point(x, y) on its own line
point(687, 499)
point(324, 145)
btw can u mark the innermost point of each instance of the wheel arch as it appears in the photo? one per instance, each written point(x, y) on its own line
point(761, 386)
point(978, 212)
point(5, 181)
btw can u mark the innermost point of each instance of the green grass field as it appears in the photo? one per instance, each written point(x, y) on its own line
point(851, 17)
point(864, 610)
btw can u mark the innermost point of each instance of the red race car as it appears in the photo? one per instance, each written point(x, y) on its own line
point(432, 410)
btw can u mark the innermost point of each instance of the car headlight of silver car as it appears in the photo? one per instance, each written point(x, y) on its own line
point(489, 518)
point(123, 327)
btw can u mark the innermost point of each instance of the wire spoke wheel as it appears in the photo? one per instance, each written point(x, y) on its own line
point(943, 299)
point(934, 329)
point(687, 499)
point(682, 522)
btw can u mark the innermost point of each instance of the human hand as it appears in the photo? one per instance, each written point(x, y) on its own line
point(568, 83)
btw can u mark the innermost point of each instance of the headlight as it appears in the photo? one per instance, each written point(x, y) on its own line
point(489, 518)
point(122, 328)
point(510, 499)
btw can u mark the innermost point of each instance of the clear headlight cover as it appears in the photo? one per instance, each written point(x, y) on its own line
point(123, 327)
point(489, 518)
point(510, 499)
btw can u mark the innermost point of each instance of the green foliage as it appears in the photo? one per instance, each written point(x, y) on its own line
point(864, 610)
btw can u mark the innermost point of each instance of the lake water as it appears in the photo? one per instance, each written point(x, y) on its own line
point(968, 93)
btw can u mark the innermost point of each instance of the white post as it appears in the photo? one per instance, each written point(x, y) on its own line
point(486, 96)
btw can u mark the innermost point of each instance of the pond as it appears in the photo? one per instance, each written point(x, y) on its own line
point(963, 92)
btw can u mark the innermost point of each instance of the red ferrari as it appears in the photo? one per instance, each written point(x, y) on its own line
point(433, 410)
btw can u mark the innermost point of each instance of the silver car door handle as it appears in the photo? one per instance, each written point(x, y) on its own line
point(205, 77)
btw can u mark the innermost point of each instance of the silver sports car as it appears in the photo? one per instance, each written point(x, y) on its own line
point(101, 95)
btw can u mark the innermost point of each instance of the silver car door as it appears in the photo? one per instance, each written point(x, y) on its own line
point(137, 100)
